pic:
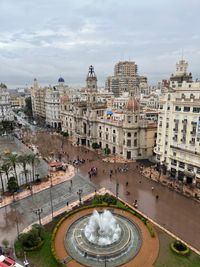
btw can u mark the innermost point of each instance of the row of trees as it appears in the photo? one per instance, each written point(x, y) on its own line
point(9, 163)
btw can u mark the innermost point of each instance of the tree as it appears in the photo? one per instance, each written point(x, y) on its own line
point(107, 151)
point(12, 185)
point(13, 160)
point(95, 145)
point(5, 168)
point(28, 107)
point(23, 160)
point(33, 160)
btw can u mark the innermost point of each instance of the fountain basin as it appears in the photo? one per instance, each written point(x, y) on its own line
point(117, 253)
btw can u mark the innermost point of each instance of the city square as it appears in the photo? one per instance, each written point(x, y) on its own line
point(99, 133)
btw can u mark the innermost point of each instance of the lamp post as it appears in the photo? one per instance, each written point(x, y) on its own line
point(26, 263)
point(17, 224)
point(79, 193)
point(51, 196)
point(38, 213)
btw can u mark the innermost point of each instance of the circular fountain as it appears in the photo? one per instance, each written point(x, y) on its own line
point(103, 237)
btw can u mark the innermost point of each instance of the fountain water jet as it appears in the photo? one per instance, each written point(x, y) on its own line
point(102, 228)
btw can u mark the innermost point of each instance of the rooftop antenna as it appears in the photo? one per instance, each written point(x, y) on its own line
point(182, 54)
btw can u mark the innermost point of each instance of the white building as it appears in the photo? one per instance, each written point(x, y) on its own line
point(123, 133)
point(178, 136)
point(6, 113)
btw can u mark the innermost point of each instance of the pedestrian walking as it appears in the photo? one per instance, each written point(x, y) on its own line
point(126, 183)
point(152, 188)
point(67, 203)
point(71, 182)
point(157, 197)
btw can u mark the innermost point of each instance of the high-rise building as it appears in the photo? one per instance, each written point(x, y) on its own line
point(125, 79)
point(178, 136)
point(37, 99)
point(125, 69)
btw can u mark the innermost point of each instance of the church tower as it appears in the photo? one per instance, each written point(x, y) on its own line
point(91, 82)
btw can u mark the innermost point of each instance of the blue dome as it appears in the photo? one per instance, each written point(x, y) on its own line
point(61, 80)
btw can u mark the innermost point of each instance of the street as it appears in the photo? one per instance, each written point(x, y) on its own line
point(20, 214)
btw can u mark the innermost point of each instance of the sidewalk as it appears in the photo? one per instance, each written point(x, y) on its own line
point(55, 178)
point(185, 190)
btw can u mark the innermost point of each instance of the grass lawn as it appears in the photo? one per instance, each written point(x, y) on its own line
point(42, 257)
point(167, 258)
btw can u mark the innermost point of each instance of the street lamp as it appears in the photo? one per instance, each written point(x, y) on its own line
point(51, 196)
point(26, 263)
point(17, 224)
point(79, 193)
point(38, 213)
point(117, 188)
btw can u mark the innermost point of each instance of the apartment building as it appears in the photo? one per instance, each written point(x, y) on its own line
point(178, 136)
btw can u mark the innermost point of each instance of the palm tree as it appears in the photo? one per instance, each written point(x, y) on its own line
point(5, 168)
point(23, 160)
point(13, 160)
point(2, 186)
point(33, 160)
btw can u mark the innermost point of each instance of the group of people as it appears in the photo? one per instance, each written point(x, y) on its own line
point(92, 172)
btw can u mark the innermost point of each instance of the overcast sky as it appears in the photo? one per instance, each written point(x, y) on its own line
point(51, 38)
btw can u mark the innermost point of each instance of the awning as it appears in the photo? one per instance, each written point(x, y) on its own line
point(189, 173)
point(55, 164)
point(109, 113)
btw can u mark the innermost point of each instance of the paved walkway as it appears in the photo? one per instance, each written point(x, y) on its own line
point(56, 178)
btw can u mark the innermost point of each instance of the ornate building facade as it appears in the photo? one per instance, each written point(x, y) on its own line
point(124, 133)
point(178, 137)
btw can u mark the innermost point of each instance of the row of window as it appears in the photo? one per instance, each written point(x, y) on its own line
point(187, 109)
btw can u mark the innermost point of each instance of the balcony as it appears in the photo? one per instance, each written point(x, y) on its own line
point(156, 151)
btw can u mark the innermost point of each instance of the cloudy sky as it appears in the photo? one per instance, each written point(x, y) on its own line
point(49, 38)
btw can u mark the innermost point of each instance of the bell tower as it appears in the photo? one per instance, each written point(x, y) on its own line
point(91, 82)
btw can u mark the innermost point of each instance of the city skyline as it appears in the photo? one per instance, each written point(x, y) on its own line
point(54, 38)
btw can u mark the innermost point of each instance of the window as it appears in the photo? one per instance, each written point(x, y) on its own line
point(106, 129)
point(161, 107)
point(99, 127)
point(173, 162)
point(129, 134)
point(190, 168)
point(135, 134)
point(135, 142)
point(136, 119)
point(128, 142)
point(114, 131)
point(114, 139)
point(177, 108)
point(186, 109)
point(182, 165)
point(100, 135)
point(196, 109)
point(129, 119)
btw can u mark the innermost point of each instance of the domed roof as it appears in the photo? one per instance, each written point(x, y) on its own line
point(132, 104)
point(64, 99)
point(61, 80)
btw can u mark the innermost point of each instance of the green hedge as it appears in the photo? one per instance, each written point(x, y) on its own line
point(100, 201)
point(174, 247)
point(36, 247)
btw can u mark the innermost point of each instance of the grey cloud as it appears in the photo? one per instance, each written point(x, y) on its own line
point(49, 38)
